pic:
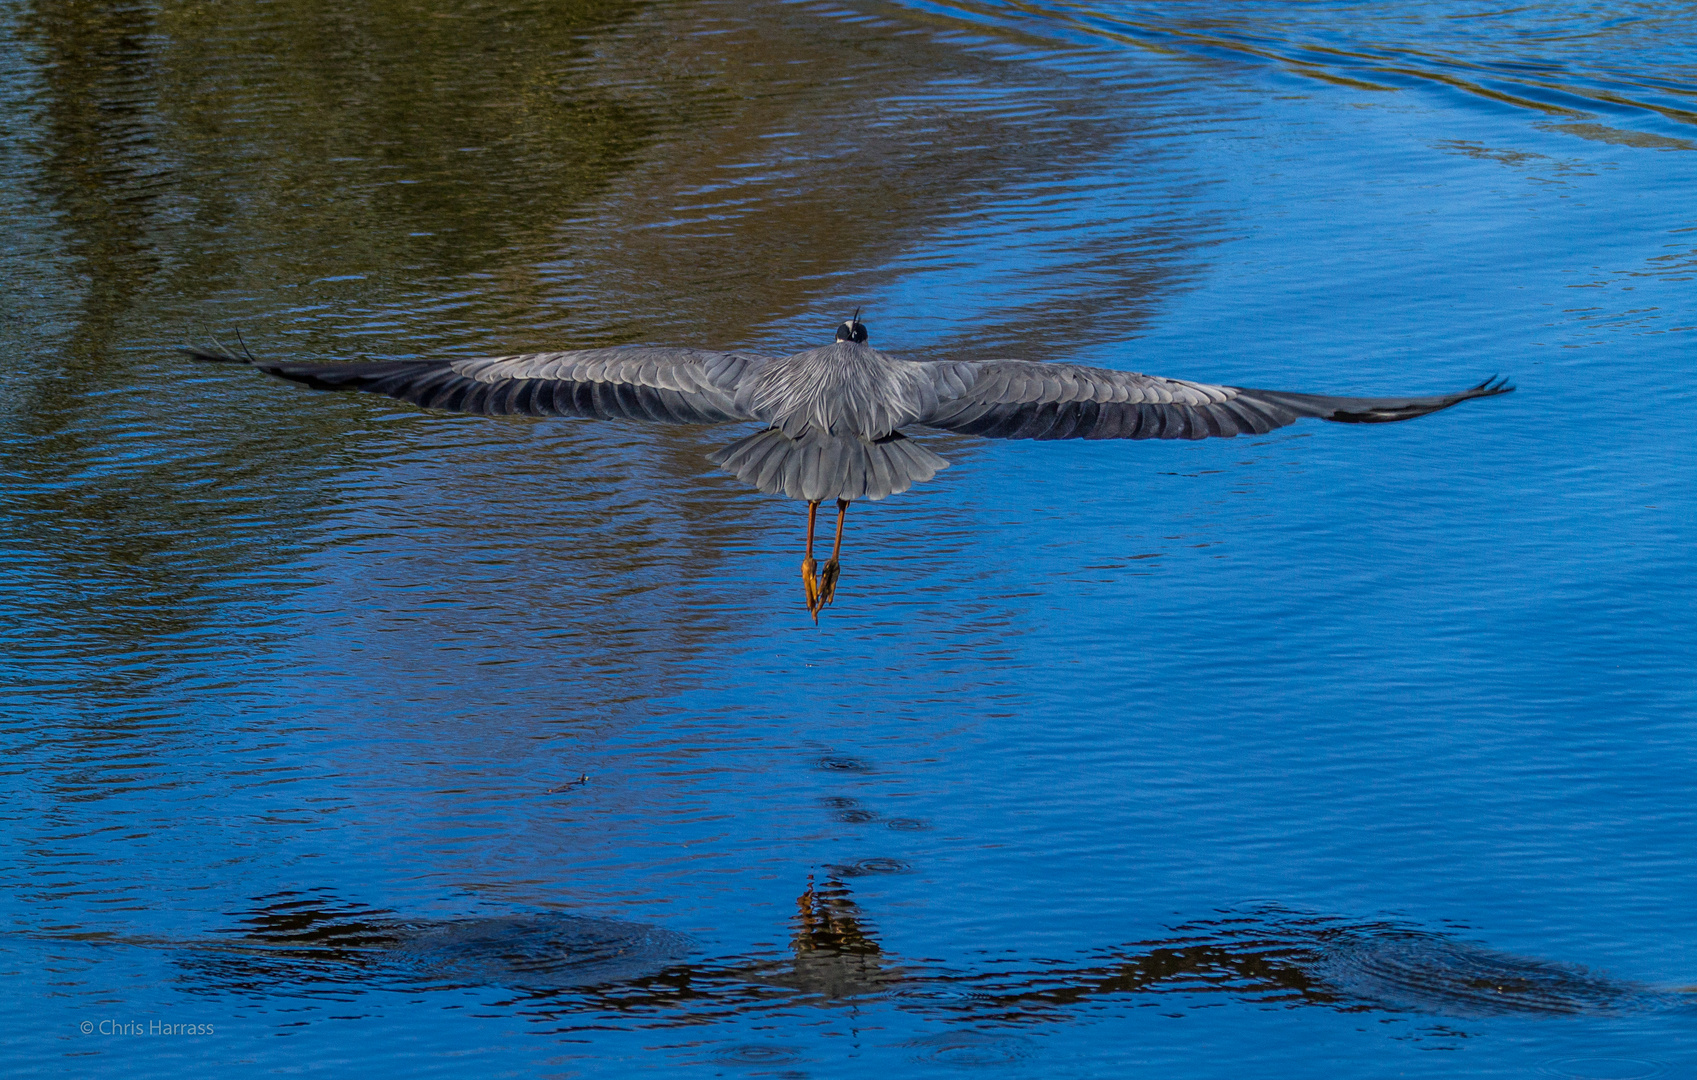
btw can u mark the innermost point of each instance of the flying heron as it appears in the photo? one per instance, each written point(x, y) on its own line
point(833, 417)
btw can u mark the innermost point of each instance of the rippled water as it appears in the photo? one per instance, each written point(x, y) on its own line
point(473, 746)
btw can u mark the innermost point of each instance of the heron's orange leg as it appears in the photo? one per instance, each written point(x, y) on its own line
point(833, 570)
point(809, 580)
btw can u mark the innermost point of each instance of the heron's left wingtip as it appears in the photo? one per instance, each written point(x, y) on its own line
point(206, 356)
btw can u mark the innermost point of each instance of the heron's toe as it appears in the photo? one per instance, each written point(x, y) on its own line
point(810, 583)
point(828, 581)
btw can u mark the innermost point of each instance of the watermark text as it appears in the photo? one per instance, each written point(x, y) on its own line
point(143, 1029)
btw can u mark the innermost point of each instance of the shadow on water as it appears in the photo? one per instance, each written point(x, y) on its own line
point(556, 965)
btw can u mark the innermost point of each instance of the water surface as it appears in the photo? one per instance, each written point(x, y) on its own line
point(480, 746)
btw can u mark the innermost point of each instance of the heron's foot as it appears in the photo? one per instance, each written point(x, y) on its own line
point(828, 581)
point(810, 583)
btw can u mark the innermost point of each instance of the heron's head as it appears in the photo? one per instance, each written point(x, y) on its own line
point(853, 329)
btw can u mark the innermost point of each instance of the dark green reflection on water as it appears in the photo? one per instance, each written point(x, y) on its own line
point(352, 139)
point(190, 150)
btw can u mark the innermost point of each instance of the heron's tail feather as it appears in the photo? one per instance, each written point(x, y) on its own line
point(819, 467)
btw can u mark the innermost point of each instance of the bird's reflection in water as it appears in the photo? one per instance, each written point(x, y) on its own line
point(836, 954)
point(1275, 955)
point(308, 940)
point(559, 964)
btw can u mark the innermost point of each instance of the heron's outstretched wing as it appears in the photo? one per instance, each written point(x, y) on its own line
point(681, 386)
point(1019, 399)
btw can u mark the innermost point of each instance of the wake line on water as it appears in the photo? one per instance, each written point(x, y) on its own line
point(1552, 88)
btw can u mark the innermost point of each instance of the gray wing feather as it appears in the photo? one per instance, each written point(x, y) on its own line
point(680, 386)
point(1019, 399)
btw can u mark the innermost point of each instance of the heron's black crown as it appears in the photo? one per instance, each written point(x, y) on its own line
point(852, 330)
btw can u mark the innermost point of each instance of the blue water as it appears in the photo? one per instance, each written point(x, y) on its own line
point(1348, 750)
